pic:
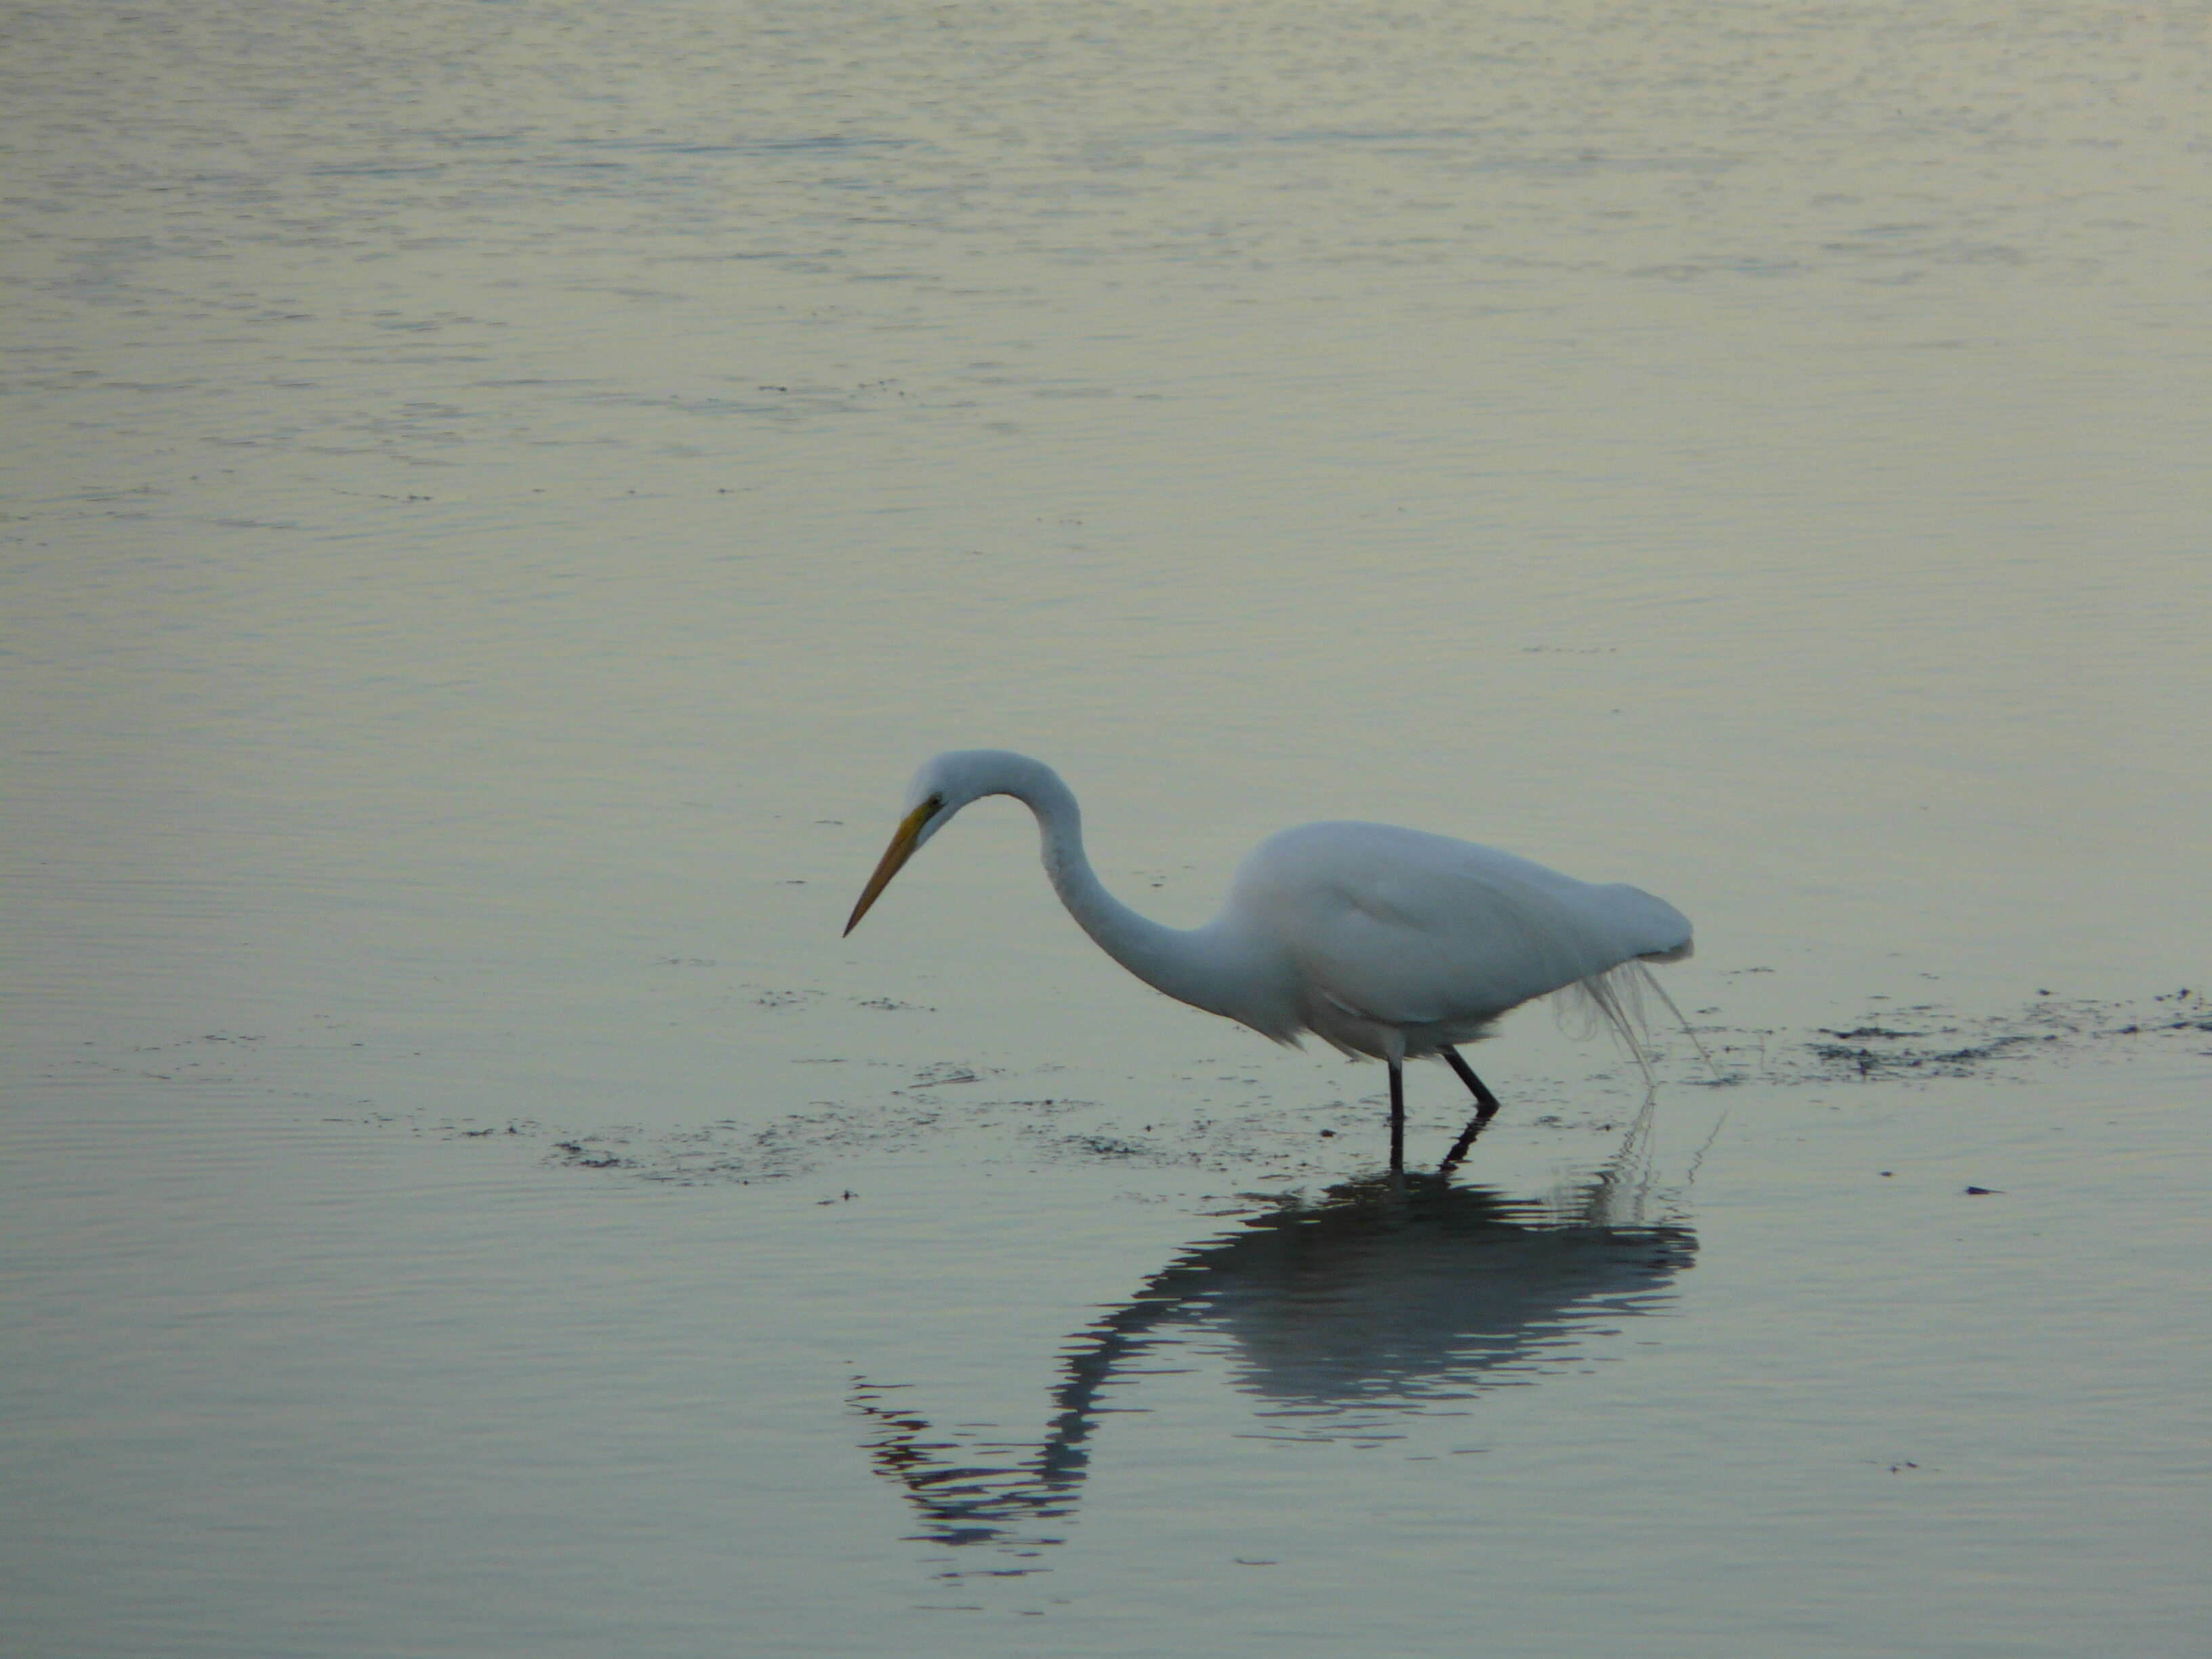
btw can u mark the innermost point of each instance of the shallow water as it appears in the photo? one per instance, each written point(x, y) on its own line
point(502, 497)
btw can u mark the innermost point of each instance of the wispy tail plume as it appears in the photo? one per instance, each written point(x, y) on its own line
point(1614, 999)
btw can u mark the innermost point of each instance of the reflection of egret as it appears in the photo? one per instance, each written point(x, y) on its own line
point(1387, 1295)
point(1387, 943)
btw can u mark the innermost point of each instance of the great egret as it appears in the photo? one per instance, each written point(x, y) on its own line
point(1383, 942)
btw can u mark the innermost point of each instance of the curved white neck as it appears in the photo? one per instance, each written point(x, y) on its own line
point(1183, 963)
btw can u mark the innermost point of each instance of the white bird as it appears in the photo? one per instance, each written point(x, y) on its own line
point(1383, 942)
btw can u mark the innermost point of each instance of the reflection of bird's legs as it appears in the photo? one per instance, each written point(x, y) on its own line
point(1485, 1107)
point(1397, 1116)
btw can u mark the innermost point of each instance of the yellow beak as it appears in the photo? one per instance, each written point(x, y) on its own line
point(894, 859)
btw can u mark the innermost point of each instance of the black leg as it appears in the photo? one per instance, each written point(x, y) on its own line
point(1397, 1117)
point(1485, 1107)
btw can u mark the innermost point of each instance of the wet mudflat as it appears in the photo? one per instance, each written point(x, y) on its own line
point(505, 500)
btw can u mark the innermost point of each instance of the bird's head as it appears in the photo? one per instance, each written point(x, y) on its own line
point(940, 789)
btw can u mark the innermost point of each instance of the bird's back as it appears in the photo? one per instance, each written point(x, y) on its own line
point(1390, 930)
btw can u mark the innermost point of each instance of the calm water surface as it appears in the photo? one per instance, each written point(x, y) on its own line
point(503, 497)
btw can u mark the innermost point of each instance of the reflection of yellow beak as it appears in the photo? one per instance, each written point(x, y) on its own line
point(894, 859)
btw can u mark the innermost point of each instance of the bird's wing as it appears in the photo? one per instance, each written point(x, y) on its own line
point(1413, 929)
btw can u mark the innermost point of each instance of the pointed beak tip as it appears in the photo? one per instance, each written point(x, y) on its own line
point(895, 858)
point(858, 910)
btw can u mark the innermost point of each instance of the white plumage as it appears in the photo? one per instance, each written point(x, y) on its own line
point(1384, 942)
point(1403, 942)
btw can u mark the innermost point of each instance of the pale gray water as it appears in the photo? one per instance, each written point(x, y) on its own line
point(501, 497)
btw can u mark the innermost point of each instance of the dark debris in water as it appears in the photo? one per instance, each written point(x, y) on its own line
point(1058, 1129)
point(1105, 1148)
point(1241, 1131)
point(1938, 1043)
point(1866, 1061)
point(786, 999)
point(586, 1156)
point(948, 1071)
